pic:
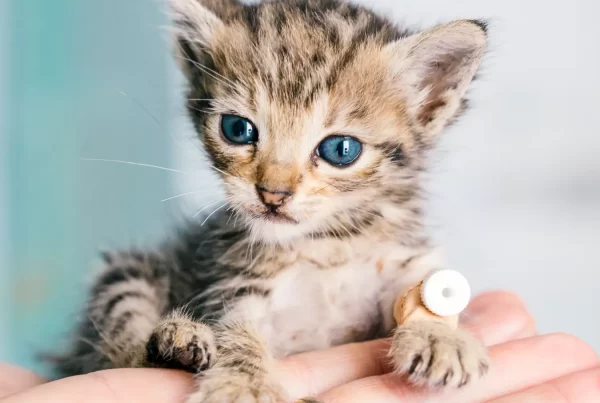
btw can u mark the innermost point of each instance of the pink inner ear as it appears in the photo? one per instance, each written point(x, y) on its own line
point(442, 75)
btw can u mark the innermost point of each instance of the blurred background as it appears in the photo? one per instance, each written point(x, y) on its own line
point(514, 188)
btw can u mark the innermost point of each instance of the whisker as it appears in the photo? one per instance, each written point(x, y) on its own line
point(333, 231)
point(217, 209)
point(208, 69)
point(205, 207)
point(210, 72)
point(230, 215)
point(221, 171)
point(341, 224)
point(201, 110)
point(180, 195)
point(367, 212)
point(155, 119)
point(250, 247)
point(139, 164)
point(361, 231)
point(138, 103)
point(214, 74)
point(230, 175)
point(235, 218)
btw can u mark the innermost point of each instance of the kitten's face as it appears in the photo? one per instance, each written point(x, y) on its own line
point(304, 111)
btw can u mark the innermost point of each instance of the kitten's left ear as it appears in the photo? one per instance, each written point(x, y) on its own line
point(196, 24)
point(434, 69)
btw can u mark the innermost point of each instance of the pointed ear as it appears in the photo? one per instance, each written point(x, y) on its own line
point(196, 24)
point(434, 70)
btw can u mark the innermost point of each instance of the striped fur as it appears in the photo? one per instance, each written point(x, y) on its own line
point(226, 299)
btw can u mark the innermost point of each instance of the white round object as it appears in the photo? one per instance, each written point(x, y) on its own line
point(445, 292)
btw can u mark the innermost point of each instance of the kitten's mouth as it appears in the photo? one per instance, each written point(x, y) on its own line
point(278, 217)
point(272, 216)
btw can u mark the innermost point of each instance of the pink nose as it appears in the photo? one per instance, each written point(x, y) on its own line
point(273, 198)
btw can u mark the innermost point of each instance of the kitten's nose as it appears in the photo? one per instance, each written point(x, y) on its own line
point(273, 199)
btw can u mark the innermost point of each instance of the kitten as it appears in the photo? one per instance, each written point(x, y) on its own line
point(319, 115)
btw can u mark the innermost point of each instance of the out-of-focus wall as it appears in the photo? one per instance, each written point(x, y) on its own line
point(69, 63)
point(4, 245)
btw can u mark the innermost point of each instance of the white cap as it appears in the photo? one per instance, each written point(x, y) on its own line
point(445, 292)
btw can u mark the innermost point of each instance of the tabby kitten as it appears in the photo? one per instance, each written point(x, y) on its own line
point(318, 114)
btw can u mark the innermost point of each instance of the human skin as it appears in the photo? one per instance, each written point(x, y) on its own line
point(529, 368)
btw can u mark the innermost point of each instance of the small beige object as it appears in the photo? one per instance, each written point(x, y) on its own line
point(444, 291)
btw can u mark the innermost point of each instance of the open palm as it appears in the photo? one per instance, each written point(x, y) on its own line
point(526, 368)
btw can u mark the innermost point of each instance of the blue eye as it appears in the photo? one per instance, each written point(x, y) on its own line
point(339, 150)
point(238, 130)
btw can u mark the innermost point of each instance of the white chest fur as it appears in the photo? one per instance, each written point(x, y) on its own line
point(311, 307)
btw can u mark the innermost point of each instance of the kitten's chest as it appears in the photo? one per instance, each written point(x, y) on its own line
point(311, 308)
point(331, 294)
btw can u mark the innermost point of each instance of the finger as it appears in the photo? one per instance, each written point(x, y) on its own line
point(493, 317)
point(114, 386)
point(498, 316)
point(540, 359)
point(579, 387)
point(14, 379)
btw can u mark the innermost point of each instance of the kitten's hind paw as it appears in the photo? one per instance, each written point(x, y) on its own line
point(180, 343)
point(435, 355)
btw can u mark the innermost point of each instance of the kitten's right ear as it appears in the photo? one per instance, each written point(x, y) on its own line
point(435, 68)
point(196, 24)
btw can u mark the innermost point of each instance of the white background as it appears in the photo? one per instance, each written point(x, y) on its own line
point(515, 188)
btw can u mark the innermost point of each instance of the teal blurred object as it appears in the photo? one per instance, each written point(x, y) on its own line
point(67, 66)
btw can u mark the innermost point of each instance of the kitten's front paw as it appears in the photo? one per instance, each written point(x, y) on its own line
point(180, 343)
point(229, 386)
point(437, 356)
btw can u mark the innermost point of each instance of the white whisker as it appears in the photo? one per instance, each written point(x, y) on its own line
point(228, 174)
point(140, 164)
point(217, 209)
point(221, 171)
point(181, 195)
point(235, 218)
point(142, 107)
point(204, 208)
point(367, 212)
point(201, 110)
point(139, 104)
point(230, 215)
point(208, 71)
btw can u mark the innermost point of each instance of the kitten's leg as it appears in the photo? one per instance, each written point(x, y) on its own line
point(127, 301)
point(243, 371)
point(123, 325)
point(432, 353)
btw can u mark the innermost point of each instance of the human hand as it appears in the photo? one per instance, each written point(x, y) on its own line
point(526, 368)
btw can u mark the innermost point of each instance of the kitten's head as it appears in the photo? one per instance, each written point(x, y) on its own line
point(317, 113)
